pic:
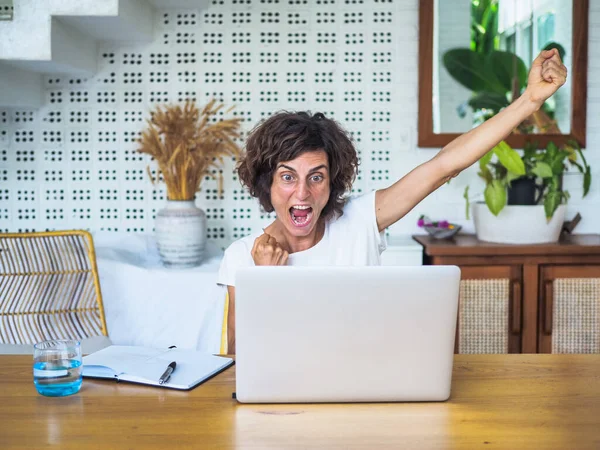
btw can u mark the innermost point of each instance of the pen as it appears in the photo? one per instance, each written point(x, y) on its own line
point(165, 376)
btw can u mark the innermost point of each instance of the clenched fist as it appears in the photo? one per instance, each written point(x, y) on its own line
point(547, 74)
point(268, 252)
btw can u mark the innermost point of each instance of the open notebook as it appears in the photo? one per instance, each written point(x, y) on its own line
point(146, 365)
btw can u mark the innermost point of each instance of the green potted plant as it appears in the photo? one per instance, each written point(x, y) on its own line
point(524, 199)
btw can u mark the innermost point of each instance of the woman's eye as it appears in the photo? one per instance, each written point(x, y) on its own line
point(317, 178)
point(287, 177)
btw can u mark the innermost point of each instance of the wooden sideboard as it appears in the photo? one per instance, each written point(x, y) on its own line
point(542, 298)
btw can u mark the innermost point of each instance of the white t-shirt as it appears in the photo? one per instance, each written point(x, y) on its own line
point(350, 240)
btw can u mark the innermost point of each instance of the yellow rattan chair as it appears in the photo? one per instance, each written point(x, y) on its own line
point(49, 287)
point(223, 349)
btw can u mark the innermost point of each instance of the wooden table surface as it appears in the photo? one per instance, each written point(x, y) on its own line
point(498, 402)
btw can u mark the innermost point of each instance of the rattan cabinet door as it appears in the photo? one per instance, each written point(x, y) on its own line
point(490, 310)
point(569, 318)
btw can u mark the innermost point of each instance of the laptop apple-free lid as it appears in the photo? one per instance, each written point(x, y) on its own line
point(345, 334)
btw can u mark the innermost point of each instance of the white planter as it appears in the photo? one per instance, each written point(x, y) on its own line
point(181, 234)
point(517, 224)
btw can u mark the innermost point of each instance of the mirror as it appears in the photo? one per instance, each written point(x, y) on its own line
point(474, 57)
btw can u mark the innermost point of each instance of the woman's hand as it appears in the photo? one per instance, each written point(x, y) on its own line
point(268, 252)
point(547, 74)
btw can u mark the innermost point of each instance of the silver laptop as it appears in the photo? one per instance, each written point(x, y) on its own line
point(345, 334)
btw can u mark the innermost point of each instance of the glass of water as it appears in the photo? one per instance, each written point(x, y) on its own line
point(57, 367)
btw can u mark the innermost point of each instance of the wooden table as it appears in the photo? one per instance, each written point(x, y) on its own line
point(498, 402)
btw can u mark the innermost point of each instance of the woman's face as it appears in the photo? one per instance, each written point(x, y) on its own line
point(300, 191)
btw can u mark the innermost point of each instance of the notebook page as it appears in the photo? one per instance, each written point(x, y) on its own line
point(192, 366)
point(123, 359)
point(146, 365)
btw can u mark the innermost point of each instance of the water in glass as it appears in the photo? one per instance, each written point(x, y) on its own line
point(57, 367)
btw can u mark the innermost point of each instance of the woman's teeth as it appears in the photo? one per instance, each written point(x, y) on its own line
point(301, 215)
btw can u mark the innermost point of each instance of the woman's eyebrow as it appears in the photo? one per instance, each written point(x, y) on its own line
point(314, 169)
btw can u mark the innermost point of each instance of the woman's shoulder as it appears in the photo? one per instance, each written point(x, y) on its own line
point(237, 255)
point(358, 205)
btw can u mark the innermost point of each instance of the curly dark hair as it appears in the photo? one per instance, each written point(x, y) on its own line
point(285, 136)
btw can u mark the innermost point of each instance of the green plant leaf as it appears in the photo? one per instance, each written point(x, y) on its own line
point(586, 169)
point(485, 159)
point(579, 166)
point(484, 171)
point(495, 196)
point(498, 170)
point(509, 158)
point(506, 66)
point(577, 147)
point(551, 202)
point(486, 175)
point(542, 170)
point(488, 100)
point(484, 25)
point(551, 149)
point(558, 162)
point(479, 28)
point(469, 68)
point(529, 151)
point(587, 181)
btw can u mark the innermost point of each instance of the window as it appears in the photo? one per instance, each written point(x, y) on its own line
point(545, 30)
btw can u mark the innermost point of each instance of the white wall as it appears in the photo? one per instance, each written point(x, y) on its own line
point(100, 181)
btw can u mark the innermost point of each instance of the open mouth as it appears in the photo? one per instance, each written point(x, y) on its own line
point(301, 215)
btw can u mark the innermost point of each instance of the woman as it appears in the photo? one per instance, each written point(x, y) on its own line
point(300, 166)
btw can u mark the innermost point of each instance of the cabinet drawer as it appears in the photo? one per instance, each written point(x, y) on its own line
point(570, 309)
point(489, 317)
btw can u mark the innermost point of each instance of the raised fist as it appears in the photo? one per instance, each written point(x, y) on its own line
point(268, 252)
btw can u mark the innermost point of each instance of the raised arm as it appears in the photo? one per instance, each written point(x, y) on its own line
point(547, 74)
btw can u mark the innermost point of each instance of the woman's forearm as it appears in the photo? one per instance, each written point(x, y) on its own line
point(468, 148)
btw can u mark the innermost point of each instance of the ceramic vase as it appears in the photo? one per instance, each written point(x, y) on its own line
point(518, 224)
point(180, 229)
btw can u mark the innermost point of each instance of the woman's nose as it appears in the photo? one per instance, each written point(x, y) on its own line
point(302, 191)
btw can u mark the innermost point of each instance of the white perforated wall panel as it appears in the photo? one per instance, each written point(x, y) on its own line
point(73, 164)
